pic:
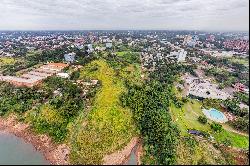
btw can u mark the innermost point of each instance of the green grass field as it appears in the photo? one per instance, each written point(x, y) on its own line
point(131, 73)
point(236, 139)
point(187, 116)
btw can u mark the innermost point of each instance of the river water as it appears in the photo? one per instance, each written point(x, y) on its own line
point(132, 160)
point(14, 150)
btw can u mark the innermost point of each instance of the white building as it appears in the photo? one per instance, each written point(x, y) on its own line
point(63, 75)
point(182, 55)
point(179, 55)
point(90, 48)
point(70, 57)
point(108, 45)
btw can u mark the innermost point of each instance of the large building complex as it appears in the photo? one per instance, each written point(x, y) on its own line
point(204, 89)
point(35, 76)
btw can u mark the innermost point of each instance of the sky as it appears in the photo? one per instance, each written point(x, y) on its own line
point(213, 15)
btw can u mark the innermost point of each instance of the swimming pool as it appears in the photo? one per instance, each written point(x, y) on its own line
point(215, 115)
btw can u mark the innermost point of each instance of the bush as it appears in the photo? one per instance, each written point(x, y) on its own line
point(179, 89)
point(227, 142)
point(241, 124)
point(202, 161)
point(184, 99)
point(216, 127)
point(202, 119)
point(211, 103)
point(205, 134)
point(75, 75)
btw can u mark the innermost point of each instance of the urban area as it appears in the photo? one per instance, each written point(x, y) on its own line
point(128, 97)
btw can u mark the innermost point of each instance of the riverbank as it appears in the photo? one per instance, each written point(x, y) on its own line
point(139, 153)
point(55, 154)
point(121, 156)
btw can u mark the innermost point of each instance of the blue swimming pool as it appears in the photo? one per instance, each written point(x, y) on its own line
point(215, 115)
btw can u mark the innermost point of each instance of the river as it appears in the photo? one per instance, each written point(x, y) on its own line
point(14, 150)
point(132, 160)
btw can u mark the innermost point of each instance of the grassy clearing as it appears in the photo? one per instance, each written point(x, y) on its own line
point(6, 61)
point(236, 139)
point(108, 126)
point(186, 118)
point(32, 53)
point(243, 61)
point(122, 53)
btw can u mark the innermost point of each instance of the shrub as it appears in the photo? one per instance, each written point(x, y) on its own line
point(216, 127)
point(184, 99)
point(202, 119)
point(241, 124)
point(227, 142)
point(179, 89)
point(75, 75)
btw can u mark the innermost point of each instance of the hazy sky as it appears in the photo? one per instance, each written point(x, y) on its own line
point(124, 14)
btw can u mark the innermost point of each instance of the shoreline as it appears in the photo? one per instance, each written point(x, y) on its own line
point(139, 153)
point(55, 154)
point(120, 157)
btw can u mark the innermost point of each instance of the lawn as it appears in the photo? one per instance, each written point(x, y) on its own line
point(236, 139)
point(122, 53)
point(186, 118)
point(109, 126)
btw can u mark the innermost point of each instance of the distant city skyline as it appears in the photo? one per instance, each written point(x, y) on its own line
point(209, 15)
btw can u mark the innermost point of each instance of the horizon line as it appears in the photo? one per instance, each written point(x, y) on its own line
point(27, 30)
